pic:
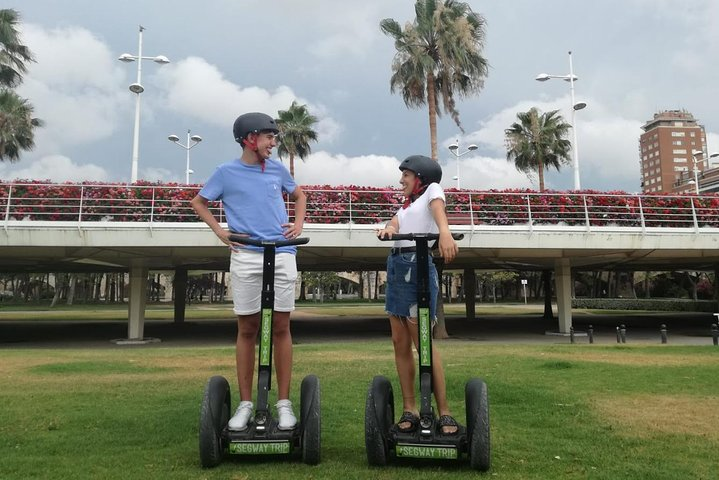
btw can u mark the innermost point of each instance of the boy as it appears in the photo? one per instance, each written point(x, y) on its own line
point(251, 189)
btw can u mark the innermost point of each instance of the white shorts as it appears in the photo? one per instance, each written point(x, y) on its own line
point(246, 276)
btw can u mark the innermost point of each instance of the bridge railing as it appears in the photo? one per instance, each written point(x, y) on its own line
point(360, 205)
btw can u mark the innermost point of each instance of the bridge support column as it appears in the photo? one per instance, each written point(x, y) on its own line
point(563, 277)
point(470, 292)
point(179, 285)
point(137, 300)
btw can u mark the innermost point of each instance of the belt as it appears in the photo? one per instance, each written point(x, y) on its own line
point(398, 250)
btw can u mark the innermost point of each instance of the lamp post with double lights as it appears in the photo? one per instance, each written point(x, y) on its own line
point(571, 78)
point(137, 89)
point(695, 154)
point(454, 148)
point(192, 141)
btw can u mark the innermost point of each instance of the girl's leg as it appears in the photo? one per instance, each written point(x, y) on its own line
point(404, 361)
point(439, 385)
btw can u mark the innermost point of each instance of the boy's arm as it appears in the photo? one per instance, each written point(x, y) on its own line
point(200, 205)
point(293, 230)
point(447, 246)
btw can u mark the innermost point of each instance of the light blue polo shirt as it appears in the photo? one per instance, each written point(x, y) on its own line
point(252, 199)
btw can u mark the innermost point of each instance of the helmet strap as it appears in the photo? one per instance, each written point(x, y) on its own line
point(252, 144)
point(417, 190)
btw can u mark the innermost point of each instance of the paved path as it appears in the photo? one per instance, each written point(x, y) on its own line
point(683, 329)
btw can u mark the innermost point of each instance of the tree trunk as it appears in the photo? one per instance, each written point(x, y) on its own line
point(292, 165)
point(432, 103)
point(59, 277)
point(71, 289)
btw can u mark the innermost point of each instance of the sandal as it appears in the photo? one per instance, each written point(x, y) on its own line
point(411, 419)
point(448, 422)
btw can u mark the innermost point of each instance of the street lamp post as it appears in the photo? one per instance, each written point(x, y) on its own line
point(571, 78)
point(696, 161)
point(191, 142)
point(454, 148)
point(137, 89)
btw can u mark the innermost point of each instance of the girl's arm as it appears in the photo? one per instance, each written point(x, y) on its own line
point(447, 246)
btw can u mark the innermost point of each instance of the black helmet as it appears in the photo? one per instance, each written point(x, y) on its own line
point(253, 122)
point(425, 168)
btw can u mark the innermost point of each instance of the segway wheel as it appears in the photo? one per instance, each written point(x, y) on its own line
point(214, 415)
point(477, 403)
point(310, 419)
point(378, 419)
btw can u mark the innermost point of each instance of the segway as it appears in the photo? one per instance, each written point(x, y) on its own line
point(426, 441)
point(262, 435)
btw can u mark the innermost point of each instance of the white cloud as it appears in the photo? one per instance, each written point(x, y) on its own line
point(74, 87)
point(197, 88)
point(323, 168)
point(55, 168)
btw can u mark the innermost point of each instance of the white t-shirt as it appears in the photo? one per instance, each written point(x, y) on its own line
point(417, 218)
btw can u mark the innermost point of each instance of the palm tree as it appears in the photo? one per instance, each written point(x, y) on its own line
point(538, 142)
point(296, 133)
point(439, 56)
point(16, 125)
point(13, 55)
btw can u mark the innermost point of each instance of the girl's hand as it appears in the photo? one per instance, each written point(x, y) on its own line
point(447, 246)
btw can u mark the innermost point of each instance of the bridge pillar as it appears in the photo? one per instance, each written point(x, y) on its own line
point(179, 285)
point(470, 292)
point(563, 278)
point(137, 300)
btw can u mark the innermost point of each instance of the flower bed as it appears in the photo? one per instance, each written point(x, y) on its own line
point(156, 202)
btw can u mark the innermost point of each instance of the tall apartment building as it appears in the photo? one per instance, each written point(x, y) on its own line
point(666, 150)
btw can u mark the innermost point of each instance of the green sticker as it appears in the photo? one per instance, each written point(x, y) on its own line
point(265, 334)
point(259, 448)
point(424, 339)
point(426, 451)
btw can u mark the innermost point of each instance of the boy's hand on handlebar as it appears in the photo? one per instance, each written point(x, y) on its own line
point(224, 235)
point(447, 247)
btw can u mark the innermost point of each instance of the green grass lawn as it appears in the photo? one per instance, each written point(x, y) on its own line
point(569, 411)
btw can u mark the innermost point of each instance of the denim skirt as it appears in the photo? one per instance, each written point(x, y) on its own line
point(401, 291)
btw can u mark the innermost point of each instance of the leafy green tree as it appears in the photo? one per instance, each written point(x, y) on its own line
point(16, 121)
point(296, 133)
point(13, 55)
point(538, 142)
point(16, 125)
point(439, 57)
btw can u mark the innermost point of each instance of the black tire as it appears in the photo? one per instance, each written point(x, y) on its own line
point(214, 415)
point(310, 419)
point(477, 403)
point(378, 419)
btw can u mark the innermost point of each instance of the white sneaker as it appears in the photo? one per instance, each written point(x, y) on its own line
point(242, 417)
point(287, 419)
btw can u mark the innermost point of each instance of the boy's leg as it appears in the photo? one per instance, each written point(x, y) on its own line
point(247, 327)
point(282, 345)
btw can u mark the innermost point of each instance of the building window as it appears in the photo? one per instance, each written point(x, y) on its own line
point(678, 151)
point(679, 134)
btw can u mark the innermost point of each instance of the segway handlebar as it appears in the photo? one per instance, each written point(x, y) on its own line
point(414, 236)
point(266, 243)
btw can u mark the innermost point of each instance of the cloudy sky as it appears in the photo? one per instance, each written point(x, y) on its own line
point(633, 59)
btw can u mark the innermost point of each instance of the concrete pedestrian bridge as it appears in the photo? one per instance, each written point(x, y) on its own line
point(138, 228)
